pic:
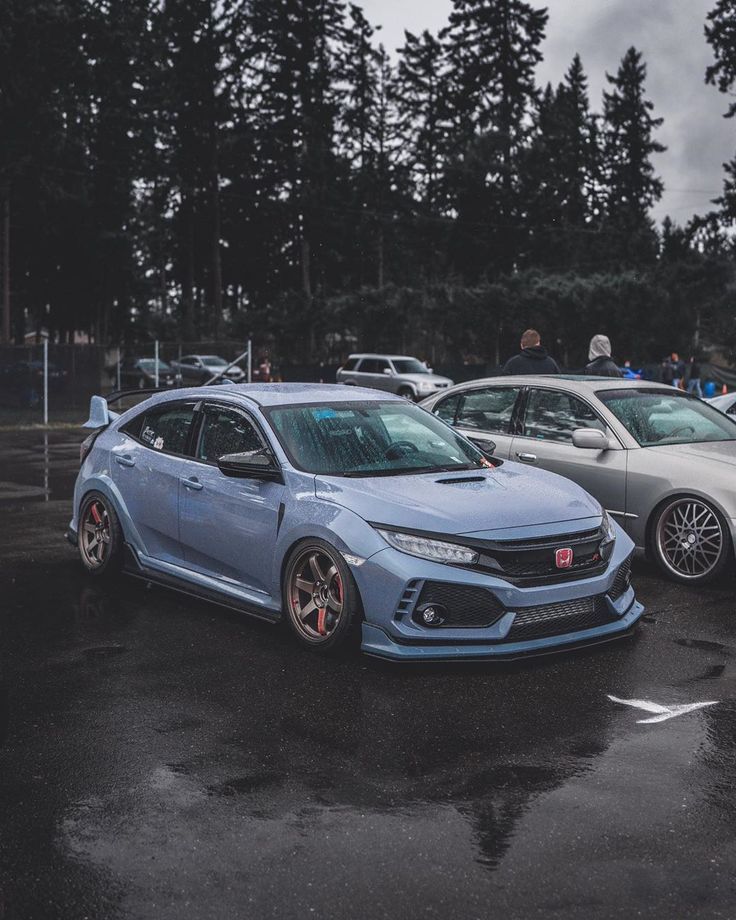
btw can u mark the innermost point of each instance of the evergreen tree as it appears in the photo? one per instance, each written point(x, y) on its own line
point(720, 32)
point(631, 185)
point(493, 48)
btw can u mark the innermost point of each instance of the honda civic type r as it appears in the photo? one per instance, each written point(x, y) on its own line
point(351, 514)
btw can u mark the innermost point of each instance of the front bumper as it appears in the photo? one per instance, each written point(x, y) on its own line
point(389, 631)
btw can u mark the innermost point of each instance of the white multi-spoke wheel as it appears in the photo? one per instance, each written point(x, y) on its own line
point(690, 540)
point(321, 597)
point(100, 538)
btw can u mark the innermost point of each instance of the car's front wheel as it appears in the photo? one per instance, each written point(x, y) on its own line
point(100, 537)
point(321, 598)
point(690, 540)
point(407, 393)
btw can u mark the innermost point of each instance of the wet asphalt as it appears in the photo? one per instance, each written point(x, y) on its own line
point(164, 758)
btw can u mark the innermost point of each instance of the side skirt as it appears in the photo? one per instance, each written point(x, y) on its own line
point(133, 567)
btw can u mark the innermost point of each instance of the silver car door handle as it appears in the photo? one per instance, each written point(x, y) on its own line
point(526, 458)
point(193, 483)
point(124, 460)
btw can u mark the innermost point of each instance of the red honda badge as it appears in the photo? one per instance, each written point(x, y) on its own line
point(563, 558)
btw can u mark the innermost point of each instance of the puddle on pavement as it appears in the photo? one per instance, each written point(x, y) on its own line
point(38, 466)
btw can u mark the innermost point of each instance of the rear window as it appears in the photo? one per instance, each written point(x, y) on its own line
point(163, 428)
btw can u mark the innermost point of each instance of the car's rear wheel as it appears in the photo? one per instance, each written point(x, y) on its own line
point(407, 393)
point(100, 537)
point(690, 540)
point(321, 598)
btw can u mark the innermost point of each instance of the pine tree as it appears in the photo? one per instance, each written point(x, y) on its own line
point(631, 185)
point(493, 48)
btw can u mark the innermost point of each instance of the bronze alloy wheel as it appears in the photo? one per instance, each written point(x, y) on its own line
point(94, 541)
point(316, 595)
point(690, 540)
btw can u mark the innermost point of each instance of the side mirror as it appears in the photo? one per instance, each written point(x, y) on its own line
point(388, 372)
point(485, 445)
point(252, 464)
point(590, 439)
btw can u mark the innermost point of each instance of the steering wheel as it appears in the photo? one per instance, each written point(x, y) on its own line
point(681, 428)
point(404, 446)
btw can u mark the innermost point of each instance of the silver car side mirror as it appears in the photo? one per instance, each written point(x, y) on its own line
point(388, 372)
point(590, 439)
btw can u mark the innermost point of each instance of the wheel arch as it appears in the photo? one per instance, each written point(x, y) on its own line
point(676, 494)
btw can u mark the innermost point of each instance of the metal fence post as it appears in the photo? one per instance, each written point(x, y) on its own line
point(45, 381)
point(118, 370)
point(155, 353)
point(250, 360)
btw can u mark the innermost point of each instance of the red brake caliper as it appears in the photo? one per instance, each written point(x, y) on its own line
point(95, 514)
point(321, 617)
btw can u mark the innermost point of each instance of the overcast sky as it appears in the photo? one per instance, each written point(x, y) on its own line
point(670, 35)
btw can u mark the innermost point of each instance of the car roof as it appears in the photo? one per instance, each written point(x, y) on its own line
point(370, 354)
point(579, 383)
point(282, 394)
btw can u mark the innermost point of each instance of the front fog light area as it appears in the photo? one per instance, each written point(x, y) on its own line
point(424, 548)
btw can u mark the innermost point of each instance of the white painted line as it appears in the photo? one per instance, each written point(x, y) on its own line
point(662, 712)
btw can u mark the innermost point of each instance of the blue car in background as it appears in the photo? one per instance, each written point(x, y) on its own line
point(355, 516)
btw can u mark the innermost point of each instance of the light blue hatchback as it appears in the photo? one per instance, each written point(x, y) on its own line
point(351, 514)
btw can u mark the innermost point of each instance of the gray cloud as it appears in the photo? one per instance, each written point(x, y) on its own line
point(670, 35)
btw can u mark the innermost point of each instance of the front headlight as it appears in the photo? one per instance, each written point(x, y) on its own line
point(425, 385)
point(436, 550)
point(609, 536)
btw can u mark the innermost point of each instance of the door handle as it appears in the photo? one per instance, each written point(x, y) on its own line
point(124, 460)
point(526, 458)
point(193, 484)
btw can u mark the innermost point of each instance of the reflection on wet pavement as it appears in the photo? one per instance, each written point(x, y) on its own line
point(162, 757)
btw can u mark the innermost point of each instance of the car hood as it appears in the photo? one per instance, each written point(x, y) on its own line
point(434, 379)
point(474, 502)
point(720, 451)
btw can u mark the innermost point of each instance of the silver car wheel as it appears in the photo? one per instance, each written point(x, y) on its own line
point(690, 538)
point(316, 598)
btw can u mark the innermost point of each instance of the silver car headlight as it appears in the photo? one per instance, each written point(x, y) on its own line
point(424, 548)
point(609, 536)
point(425, 385)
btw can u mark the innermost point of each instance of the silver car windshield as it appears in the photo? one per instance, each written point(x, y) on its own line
point(656, 417)
point(409, 366)
point(371, 439)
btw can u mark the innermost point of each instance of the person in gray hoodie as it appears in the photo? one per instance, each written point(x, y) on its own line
point(599, 356)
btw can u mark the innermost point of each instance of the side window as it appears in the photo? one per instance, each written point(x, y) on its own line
point(488, 409)
point(381, 366)
point(731, 409)
point(447, 408)
point(350, 364)
point(553, 416)
point(369, 366)
point(164, 428)
point(225, 431)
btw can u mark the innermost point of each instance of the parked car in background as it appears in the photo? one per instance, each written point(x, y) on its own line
point(400, 374)
point(198, 369)
point(660, 461)
point(725, 403)
point(141, 373)
point(351, 515)
point(22, 381)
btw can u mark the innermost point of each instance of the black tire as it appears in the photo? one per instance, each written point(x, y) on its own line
point(101, 549)
point(320, 628)
point(689, 540)
point(407, 393)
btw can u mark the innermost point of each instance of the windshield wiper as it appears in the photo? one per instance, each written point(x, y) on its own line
point(410, 470)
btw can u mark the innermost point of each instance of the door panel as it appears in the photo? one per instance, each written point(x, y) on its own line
point(228, 525)
point(549, 420)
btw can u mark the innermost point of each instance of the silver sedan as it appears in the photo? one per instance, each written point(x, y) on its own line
point(660, 461)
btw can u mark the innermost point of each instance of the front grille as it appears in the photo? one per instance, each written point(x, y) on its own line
point(533, 562)
point(556, 619)
point(622, 580)
point(462, 605)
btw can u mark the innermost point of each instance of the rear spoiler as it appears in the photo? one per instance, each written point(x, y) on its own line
point(100, 414)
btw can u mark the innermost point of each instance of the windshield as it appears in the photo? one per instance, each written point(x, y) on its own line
point(409, 366)
point(214, 360)
point(656, 417)
point(371, 439)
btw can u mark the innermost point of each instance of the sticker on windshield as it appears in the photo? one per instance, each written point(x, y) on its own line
point(158, 443)
point(148, 435)
point(323, 413)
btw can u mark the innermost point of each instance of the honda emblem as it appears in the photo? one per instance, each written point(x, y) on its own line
point(563, 558)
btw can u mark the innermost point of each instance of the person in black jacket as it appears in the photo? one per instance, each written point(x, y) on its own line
point(533, 358)
point(601, 362)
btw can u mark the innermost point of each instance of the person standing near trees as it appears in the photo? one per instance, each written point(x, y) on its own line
point(693, 384)
point(599, 355)
point(533, 358)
